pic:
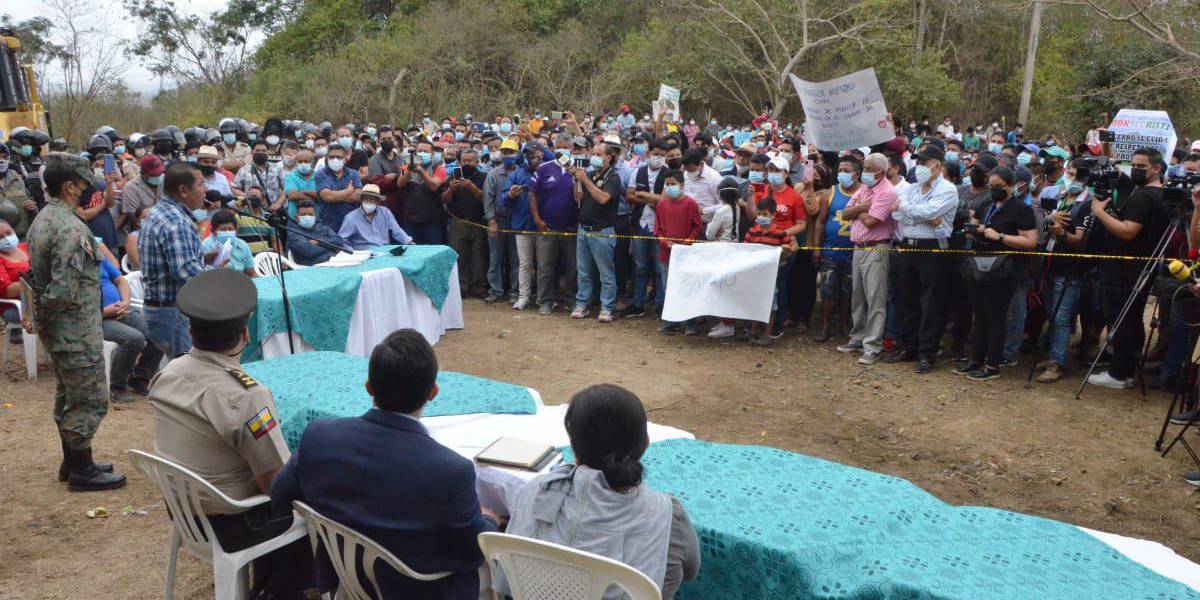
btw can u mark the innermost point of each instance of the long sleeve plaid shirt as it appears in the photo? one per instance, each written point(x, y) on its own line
point(169, 248)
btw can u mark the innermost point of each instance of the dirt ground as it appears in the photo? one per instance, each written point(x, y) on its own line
point(1089, 462)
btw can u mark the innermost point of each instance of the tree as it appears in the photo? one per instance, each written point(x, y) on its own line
point(1172, 25)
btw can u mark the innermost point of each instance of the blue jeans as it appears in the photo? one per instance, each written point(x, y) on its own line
point(594, 251)
point(167, 329)
point(1060, 325)
point(501, 248)
point(1016, 319)
point(662, 287)
point(643, 267)
point(429, 234)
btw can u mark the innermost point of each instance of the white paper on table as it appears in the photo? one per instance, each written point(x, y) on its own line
point(224, 253)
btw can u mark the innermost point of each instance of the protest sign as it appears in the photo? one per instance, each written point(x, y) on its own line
point(843, 113)
point(734, 281)
point(1133, 129)
point(668, 98)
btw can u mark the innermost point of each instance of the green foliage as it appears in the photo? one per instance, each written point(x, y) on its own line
point(320, 27)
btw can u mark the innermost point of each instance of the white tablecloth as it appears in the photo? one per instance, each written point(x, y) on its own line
point(386, 301)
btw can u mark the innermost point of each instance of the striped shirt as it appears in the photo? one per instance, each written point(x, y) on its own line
point(879, 199)
point(169, 248)
point(917, 208)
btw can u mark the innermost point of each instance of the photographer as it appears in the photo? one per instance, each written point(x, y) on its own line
point(1127, 226)
point(1064, 275)
point(1180, 305)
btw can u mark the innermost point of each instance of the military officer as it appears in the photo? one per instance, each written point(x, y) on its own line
point(16, 206)
point(216, 420)
point(64, 262)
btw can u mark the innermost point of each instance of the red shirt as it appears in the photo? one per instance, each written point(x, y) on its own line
point(775, 236)
point(676, 219)
point(11, 270)
point(789, 206)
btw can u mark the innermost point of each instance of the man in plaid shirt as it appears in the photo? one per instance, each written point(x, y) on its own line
point(169, 247)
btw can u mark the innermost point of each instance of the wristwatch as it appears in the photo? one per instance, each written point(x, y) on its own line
point(1001, 240)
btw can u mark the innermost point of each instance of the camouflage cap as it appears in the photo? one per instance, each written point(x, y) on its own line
point(59, 162)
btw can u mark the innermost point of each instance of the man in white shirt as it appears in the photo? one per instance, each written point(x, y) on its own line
point(206, 159)
point(926, 214)
point(700, 182)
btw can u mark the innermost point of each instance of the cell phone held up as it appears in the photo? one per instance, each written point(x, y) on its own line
point(1107, 136)
point(110, 164)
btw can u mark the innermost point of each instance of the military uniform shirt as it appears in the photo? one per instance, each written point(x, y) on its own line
point(212, 418)
point(64, 261)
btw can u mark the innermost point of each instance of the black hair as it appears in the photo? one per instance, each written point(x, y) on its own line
point(676, 174)
point(894, 160)
point(179, 174)
point(259, 142)
point(766, 205)
point(1004, 173)
point(1153, 154)
point(290, 145)
point(661, 144)
point(760, 159)
point(607, 427)
point(694, 156)
point(223, 217)
point(217, 336)
point(1193, 157)
point(333, 147)
point(402, 371)
point(1079, 163)
point(305, 203)
point(853, 161)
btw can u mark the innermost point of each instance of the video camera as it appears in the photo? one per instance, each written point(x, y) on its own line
point(1177, 190)
point(1100, 174)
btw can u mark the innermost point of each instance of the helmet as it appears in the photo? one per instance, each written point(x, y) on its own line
point(326, 128)
point(193, 134)
point(108, 132)
point(729, 188)
point(138, 140)
point(272, 126)
point(229, 125)
point(211, 137)
point(290, 129)
point(177, 135)
point(308, 128)
point(99, 143)
point(252, 131)
point(161, 135)
point(25, 135)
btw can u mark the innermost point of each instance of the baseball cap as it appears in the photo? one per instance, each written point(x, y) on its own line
point(151, 165)
point(781, 162)
point(510, 144)
point(1056, 152)
point(748, 148)
point(1032, 148)
point(931, 152)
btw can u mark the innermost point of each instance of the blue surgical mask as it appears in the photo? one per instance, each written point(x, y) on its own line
point(226, 236)
point(868, 179)
point(346, 141)
point(3, 166)
point(25, 150)
point(775, 179)
point(763, 222)
point(358, 145)
point(229, 139)
point(307, 221)
point(756, 176)
point(951, 157)
point(1024, 158)
point(597, 162)
point(424, 157)
point(673, 191)
point(154, 180)
point(722, 164)
point(252, 136)
point(509, 161)
point(458, 136)
point(1075, 188)
point(845, 179)
point(200, 214)
point(8, 242)
point(371, 131)
point(995, 148)
point(923, 173)
point(640, 149)
point(304, 168)
point(119, 150)
point(506, 128)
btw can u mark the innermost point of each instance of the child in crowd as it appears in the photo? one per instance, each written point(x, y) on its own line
point(766, 230)
point(677, 218)
point(224, 227)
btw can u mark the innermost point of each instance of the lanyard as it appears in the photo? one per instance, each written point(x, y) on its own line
point(987, 219)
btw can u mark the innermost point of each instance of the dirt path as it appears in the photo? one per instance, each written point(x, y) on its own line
point(1087, 462)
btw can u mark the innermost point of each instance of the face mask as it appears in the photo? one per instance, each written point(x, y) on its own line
point(999, 194)
point(437, 158)
point(98, 172)
point(369, 207)
point(995, 148)
point(1023, 158)
point(775, 179)
point(509, 161)
point(3, 166)
point(8, 242)
point(358, 145)
point(868, 178)
point(307, 221)
point(272, 140)
point(656, 162)
point(371, 131)
point(347, 142)
point(846, 179)
point(1139, 176)
point(640, 149)
point(208, 170)
point(722, 164)
point(226, 236)
point(952, 157)
point(304, 168)
point(200, 214)
point(1075, 188)
point(424, 158)
point(229, 139)
point(506, 128)
point(458, 136)
point(760, 145)
point(924, 174)
point(252, 136)
point(321, 151)
point(155, 180)
point(673, 191)
point(191, 159)
point(756, 176)
point(597, 162)
point(289, 162)
point(763, 222)
point(712, 122)
point(674, 163)
point(25, 150)
point(259, 159)
point(299, 134)
point(139, 152)
point(335, 164)
point(119, 150)
point(309, 144)
point(387, 147)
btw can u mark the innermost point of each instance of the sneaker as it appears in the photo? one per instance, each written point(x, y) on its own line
point(1108, 381)
point(670, 328)
point(120, 395)
point(547, 308)
point(580, 312)
point(492, 299)
point(960, 359)
point(984, 374)
point(924, 367)
point(722, 330)
point(901, 356)
point(606, 316)
point(521, 304)
point(632, 312)
point(1193, 478)
point(1185, 418)
point(1053, 372)
point(822, 337)
point(850, 347)
point(967, 369)
point(868, 358)
point(764, 341)
point(776, 331)
point(1011, 362)
point(691, 329)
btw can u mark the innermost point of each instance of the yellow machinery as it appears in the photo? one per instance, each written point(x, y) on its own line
point(19, 104)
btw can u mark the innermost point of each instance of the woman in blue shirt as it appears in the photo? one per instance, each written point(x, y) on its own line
point(224, 230)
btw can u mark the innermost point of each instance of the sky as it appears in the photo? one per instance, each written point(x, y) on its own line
point(123, 27)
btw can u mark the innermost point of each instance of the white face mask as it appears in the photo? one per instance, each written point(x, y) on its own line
point(335, 164)
point(924, 174)
point(656, 162)
point(369, 207)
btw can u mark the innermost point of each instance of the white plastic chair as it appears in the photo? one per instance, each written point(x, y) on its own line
point(538, 570)
point(267, 264)
point(109, 348)
point(28, 340)
point(343, 544)
point(137, 290)
point(125, 264)
point(182, 490)
point(290, 261)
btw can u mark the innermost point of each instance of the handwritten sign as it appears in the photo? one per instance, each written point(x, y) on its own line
point(1133, 129)
point(734, 281)
point(668, 98)
point(843, 113)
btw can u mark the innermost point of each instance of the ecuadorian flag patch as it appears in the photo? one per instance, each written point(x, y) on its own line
point(261, 423)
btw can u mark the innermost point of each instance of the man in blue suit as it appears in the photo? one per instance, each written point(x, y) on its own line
point(382, 475)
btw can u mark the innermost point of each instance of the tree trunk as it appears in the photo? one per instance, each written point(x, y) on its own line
point(393, 91)
point(922, 16)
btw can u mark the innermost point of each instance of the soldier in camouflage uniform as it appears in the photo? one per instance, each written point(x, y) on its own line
point(64, 263)
point(16, 206)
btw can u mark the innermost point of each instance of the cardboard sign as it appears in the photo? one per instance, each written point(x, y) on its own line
point(843, 113)
point(734, 281)
point(1133, 129)
point(668, 97)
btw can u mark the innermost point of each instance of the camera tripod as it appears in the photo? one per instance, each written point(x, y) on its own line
point(1185, 398)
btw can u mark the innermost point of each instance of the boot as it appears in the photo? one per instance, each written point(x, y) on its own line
point(64, 470)
point(87, 477)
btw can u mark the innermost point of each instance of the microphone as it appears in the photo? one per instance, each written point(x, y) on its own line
point(1180, 270)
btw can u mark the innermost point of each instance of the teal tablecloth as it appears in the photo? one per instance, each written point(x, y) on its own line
point(776, 525)
point(322, 298)
point(321, 385)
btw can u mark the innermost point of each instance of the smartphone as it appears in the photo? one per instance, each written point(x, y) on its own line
point(110, 164)
point(581, 162)
point(1108, 136)
point(557, 115)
